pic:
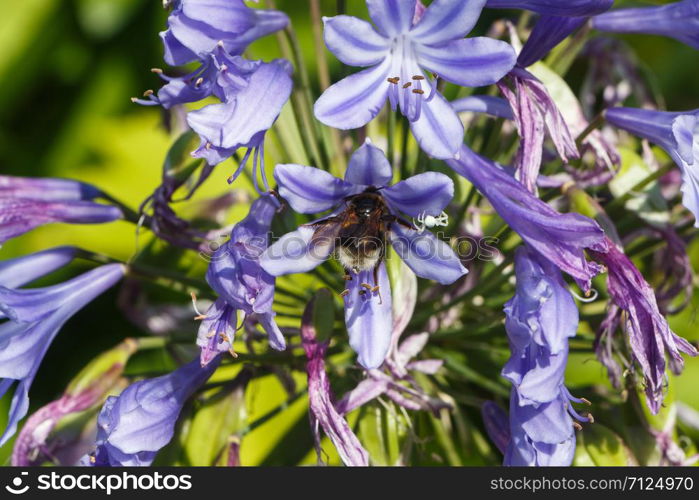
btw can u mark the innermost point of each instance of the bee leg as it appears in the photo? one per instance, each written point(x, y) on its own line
point(376, 288)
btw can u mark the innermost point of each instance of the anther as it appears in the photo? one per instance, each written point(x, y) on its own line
point(577, 426)
point(224, 67)
point(232, 352)
point(418, 77)
point(220, 43)
point(199, 81)
point(134, 99)
point(210, 335)
point(393, 80)
point(157, 70)
point(586, 401)
point(344, 293)
point(590, 418)
point(147, 93)
point(418, 91)
point(208, 146)
point(367, 286)
point(409, 84)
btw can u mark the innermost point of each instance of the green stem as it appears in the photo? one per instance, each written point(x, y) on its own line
point(130, 215)
point(599, 120)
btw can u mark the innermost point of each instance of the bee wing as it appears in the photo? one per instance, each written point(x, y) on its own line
point(326, 234)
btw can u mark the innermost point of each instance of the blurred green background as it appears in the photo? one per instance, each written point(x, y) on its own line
point(67, 71)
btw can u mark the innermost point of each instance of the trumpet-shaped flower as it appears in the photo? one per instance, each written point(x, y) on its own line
point(398, 48)
point(26, 204)
point(310, 190)
point(196, 27)
point(540, 319)
point(134, 426)
point(560, 238)
point(677, 134)
point(679, 20)
point(242, 284)
point(243, 121)
point(35, 317)
point(573, 8)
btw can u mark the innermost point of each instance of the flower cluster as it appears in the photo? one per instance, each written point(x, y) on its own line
point(375, 213)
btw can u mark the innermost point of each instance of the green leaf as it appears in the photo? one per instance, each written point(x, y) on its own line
point(604, 447)
point(220, 418)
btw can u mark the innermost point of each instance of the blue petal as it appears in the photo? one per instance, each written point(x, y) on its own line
point(310, 190)
point(470, 62)
point(491, 105)
point(446, 20)
point(423, 194)
point(227, 16)
point(354, 41)
point(555, 7)
point(276, 338)
point(439, 130)
point(295, 253)
point(355, 100)
point(369, 318)
point(428, 256)
point(392, 17)
point(235, 123)
point(176, 53)
point(369, 166)
point(22, 270)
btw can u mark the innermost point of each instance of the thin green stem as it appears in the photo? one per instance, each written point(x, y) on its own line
point(598, 122)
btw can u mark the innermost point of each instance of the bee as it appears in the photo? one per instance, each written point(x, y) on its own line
point(359, 234)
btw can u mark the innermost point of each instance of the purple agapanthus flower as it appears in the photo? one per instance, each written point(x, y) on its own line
point(397, 48)
point(241, 283)
point(677, 134)
point(540, 319)
point(26, 204)
point(560, 238)
point(252, 93)
point(535, 112)
point(649, 334)
point(134, 426)
point(679, 20)
point(574, 8)
point(220, 75)
point(34, 318)
point(46, 189)
point(320, 399)
point(196, 27)
point(310, 190)
point(242, 121)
